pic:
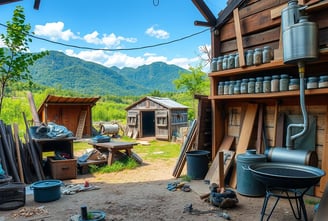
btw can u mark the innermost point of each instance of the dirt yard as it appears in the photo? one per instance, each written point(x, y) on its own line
point(141, 194)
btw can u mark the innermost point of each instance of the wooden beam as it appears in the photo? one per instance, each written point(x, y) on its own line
point(320, 5)
point(227, 12)
point(202, 23)
point(18, 153)
point(245, 136)
point(259, 130)
point(275, 120)
point(216, 173)
point(218, 132)
point(276, 12)
point(221, 169)
point(324, 164)
point(239, 38)
point(35, 116)
point(205, 11)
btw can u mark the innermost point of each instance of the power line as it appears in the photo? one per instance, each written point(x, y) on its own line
point(117, 49)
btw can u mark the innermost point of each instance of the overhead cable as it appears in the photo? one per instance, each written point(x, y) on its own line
point(115, 49)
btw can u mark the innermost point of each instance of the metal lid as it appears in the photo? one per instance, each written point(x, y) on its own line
point(295, 80)
point(312, 79)
point(251, 156)
point(46, 184)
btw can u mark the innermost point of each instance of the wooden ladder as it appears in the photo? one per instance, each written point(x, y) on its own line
point(80, 126)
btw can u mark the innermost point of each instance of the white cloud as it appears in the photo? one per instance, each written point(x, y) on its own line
point(110, 40)
point(92, 38)
point(159, 33)
point(122, 60)
point(54, 31)
point(98, 57)
point(147, 54)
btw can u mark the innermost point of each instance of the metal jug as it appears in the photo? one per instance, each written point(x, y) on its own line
point(300, 41)
point(290, 15)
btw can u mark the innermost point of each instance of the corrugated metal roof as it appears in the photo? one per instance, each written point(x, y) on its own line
point(165, 102)
point(51, 99)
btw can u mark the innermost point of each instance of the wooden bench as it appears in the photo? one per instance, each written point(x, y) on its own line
point(113, 147)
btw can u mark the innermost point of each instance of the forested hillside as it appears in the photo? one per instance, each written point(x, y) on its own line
point(69, 73)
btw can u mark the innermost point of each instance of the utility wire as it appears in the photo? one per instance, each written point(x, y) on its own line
point(117, 49)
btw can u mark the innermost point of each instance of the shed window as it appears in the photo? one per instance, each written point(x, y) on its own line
point(161, 118)
point(132, 119)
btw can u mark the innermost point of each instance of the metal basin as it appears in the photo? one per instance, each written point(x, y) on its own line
point(286, 176)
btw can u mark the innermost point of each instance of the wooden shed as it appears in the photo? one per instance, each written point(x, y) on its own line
point(260, 120)
point(75, 113)
point(156, 117)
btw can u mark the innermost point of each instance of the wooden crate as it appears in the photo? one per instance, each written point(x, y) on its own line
point(63, 169)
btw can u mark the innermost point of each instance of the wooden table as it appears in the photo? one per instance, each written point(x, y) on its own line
point(113, 147)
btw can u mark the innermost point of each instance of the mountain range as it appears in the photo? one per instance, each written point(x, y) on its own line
point(70, 73)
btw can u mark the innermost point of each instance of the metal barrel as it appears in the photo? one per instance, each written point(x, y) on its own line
point(297, 156)
point(109, 128)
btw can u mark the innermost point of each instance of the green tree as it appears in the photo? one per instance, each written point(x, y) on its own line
point(193, 82)
point(15, 57)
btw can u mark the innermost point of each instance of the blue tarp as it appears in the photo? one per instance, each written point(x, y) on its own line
point(51, 130)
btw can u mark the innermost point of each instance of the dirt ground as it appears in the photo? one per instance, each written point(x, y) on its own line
point(141, 194)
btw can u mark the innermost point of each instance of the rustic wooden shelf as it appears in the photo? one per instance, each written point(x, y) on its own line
point(273, 65)
point(311, 92)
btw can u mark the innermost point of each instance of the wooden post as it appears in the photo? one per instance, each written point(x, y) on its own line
point(221, 169)
point(19, 160)
point(36, 119)
point(239, 38)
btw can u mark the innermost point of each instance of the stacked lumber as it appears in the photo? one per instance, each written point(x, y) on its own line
point(186, 146)
point(19, 160)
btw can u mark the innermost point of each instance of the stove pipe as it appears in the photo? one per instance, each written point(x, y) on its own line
point(290, 138)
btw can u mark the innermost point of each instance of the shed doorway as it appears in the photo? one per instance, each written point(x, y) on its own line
point(148, 123)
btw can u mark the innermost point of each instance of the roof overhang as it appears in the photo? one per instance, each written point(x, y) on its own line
point(60, 100)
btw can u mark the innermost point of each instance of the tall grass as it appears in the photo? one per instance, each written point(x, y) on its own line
point(125, 163)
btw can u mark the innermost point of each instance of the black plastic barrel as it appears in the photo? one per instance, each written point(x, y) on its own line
point(246, 183)
point(197, 164)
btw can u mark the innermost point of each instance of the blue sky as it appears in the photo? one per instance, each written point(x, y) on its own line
point(118, 24)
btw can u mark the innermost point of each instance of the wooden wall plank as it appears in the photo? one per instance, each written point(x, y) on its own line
point(270, 37)
point(252, 24)
point(218, 119)
point(239, 38)
point(324, 164)
point(245, 135)
point(225, 146)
